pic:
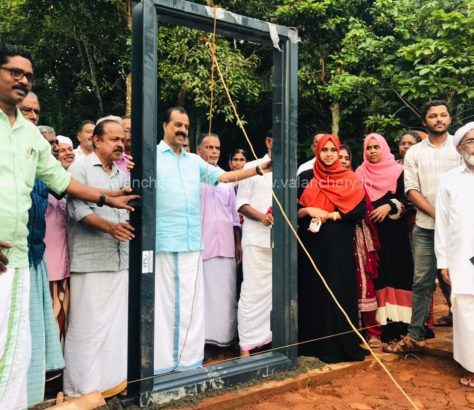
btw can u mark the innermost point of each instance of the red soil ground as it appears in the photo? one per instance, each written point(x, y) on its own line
point(430, 379)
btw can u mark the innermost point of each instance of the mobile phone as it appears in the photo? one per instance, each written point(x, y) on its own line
point(315, 225)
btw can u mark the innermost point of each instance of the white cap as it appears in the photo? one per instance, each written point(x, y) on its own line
point(461, 132)
point(64, 140)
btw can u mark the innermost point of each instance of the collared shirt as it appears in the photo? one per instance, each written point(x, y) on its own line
point(36, 223)
point(454, 233)
point(178, 222)
point(79, 154)
point(424, 163)
point(256, 191)
point(122, 164)
point(92, 250)
point(24, 155)
point(57, 252)
point(306, 165)
point(219, 216)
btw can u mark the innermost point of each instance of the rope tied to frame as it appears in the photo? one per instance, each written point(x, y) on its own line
point(293, 230)
point(216, 66)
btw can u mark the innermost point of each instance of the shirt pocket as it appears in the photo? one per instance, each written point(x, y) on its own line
point(26, 164)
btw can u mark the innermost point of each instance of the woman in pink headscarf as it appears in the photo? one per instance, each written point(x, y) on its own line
point(382, 178)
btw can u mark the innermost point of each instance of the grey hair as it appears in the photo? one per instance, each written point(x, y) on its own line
point(46, 129)
point(205, 135)
point(31, 94)
point(110, 118)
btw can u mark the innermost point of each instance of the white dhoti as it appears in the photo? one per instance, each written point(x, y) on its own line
point(179, 311)
point(255, 304)
point(220, 297)
point(15, 338)
point(463, 330)
point(95, 350)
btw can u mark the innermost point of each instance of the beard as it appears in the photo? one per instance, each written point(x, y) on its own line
point(469, 158)
point(437, 133)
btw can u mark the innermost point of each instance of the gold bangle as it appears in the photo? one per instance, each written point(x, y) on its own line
point(334, 216)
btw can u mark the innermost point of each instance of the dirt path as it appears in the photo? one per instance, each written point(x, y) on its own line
point(431, 379)
point(432, 382)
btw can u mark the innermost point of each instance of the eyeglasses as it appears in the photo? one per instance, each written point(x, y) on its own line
point(18, 74)
point(470, 141)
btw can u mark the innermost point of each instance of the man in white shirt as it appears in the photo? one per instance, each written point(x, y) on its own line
point(254, 202)
point(454, 245)
point(310, 164)
point(84, 136)
point(424, 164)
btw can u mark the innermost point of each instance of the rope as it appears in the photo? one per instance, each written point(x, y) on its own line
point(53, 401)
point(285, 217)
point(254, 354)
point(214, 65)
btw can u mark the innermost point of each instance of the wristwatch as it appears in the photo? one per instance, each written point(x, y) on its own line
point(101, 201)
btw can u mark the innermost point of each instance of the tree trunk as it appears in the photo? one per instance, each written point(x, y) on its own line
point(336, 117)
point(93, 78)
point(125, 9)
point(128, 96)
point(181, 98)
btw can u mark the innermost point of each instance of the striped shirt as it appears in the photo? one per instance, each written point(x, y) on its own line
point(25, 155)
point(92, 250)
point(424, 163)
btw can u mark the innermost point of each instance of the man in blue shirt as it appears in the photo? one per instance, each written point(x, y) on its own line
point(179, 292)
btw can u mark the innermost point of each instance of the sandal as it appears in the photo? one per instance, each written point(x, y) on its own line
point(444, 321)
point(374, 342)
point(405, 345)
point(467, 381)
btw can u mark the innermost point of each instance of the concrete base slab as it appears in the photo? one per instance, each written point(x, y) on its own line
point(247, 396)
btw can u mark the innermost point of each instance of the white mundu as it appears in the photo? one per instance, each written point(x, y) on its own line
point(454, 245)
point(255, 302)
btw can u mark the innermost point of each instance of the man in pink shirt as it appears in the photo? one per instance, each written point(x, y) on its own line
point(222, 250)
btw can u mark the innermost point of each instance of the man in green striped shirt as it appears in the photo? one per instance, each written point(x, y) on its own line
point(25, 154)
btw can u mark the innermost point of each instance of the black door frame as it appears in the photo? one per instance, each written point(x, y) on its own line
point(146, 16)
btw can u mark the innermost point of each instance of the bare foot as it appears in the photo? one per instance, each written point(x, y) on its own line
point(244, 353)
point(467, 381)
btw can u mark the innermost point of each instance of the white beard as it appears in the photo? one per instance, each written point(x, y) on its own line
point(469, 158)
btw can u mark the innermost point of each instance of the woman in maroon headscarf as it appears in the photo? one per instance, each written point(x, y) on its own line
point(382, 177)
point(331, 201)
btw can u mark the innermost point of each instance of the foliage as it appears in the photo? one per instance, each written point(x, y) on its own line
point(379, 60)
point(185, 71)
point(81, 57)
point(364, 65)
